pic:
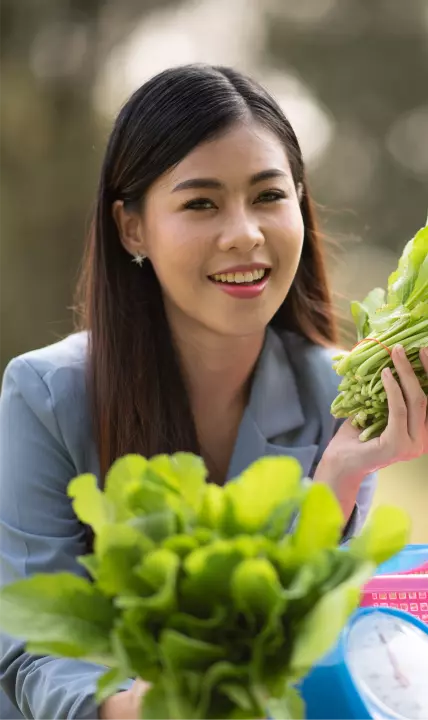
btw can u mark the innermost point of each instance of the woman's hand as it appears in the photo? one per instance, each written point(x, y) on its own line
point(125, 705)
point(347, 460)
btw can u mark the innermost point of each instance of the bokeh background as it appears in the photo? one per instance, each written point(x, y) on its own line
point(352, 75)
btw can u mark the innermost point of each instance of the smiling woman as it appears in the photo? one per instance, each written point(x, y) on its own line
point(206, 326)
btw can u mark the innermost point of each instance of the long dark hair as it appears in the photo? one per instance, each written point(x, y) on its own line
point(138, 395)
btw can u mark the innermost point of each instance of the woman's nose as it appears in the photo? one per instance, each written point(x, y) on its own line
point(241, 233)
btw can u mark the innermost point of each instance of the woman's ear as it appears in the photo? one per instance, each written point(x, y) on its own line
point(128, 223)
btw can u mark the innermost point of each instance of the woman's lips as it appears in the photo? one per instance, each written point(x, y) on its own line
point(241, 288)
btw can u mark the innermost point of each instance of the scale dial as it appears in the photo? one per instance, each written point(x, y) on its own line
point(387, 658)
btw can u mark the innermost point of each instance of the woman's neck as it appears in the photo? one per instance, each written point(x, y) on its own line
point(217, 371)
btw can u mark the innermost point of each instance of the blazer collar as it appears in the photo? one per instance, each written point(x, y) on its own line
point(274, 408)
point(274, 401)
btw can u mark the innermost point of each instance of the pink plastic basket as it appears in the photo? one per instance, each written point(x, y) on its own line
point(405, 591)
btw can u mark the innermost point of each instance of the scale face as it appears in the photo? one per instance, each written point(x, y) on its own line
point(377, 671)
point(386, 655)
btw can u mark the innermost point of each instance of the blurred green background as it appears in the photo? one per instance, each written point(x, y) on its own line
point(352, 75)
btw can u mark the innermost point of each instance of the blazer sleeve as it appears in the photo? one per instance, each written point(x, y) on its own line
point(361, 508)
point(39, 533)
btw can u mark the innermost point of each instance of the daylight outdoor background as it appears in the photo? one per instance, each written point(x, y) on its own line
point(352, 76)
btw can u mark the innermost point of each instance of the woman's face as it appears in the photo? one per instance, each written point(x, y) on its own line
point(224, 232)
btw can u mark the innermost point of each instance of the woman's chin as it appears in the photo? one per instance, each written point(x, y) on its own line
point(237, 327)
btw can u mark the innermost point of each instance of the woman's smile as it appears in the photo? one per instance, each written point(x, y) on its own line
point(244, 282)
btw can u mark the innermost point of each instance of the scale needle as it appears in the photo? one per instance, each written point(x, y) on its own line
point(399, 676)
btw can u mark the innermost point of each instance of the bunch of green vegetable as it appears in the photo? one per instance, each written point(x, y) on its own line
point(196, 589)
point(385, 319)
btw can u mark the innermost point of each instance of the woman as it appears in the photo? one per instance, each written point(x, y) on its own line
point(210, 329)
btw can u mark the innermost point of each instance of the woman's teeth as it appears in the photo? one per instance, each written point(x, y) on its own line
point(240, 277)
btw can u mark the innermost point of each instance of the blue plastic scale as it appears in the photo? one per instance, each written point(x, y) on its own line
point(379, 668)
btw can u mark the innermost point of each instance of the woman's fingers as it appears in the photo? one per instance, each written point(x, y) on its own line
point(397, 428)
point(423, 354)
point(424, 358)
point(413, 395)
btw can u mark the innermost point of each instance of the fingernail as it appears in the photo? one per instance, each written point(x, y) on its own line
point(386, 373)
point(399, 349)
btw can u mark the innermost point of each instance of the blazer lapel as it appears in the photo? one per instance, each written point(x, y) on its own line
point(274, 413)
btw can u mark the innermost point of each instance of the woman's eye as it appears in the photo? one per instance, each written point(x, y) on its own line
point(271, 196)
point(199, 204)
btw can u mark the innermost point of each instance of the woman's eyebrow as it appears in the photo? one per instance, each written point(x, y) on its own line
point(213, 184)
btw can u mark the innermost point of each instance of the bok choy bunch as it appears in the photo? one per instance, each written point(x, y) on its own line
point(385, 319)
point(197, 589)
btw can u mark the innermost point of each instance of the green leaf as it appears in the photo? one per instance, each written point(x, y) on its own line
point(312, 575)
point(197, 627)
point(252, 498)
point(320, 629)
point(239, 695)
point(59, 614)
point(374, 301)
point(343, 566)
point(420, 288)
point(119, 550)
point(204, 535)
point(159, 567)
point(155, 703)
point(402, 281)
point(212, 506)
point(319, 524)
point(159, 571)
point(360, 317)
point(109, 683)
point(156, 525)
point(181, 544)
point(90, 563)
point(209, 571)
point(185, 653)
point(420, 312)
point(388, 319)
point(215, 676)
point(290, 705)
point(256, 589)
point(363, 313)
point(280, 519)
point(124, 478)
point(184, 472)
point(139, 644)
point(89, 503)
point(386, 533)
point(148, 498)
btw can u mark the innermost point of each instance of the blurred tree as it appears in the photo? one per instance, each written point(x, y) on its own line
point(51, 145)
point(366, 61)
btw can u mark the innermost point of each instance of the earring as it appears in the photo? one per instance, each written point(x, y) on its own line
point(138, 259)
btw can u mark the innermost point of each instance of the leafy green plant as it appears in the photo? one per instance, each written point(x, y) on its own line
point(197, 589)
point(385, 319)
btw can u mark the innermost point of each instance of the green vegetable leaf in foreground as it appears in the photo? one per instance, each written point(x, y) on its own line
point(198, 590)
point(383, 320)
point(59, 614)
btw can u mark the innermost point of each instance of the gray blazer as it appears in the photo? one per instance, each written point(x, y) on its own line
point(46, 439)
